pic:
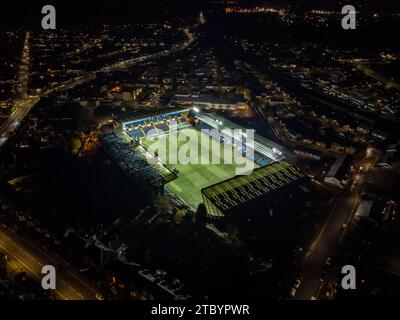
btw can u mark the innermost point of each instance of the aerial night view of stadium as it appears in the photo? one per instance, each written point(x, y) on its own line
point(175, 154)
point(208, 129)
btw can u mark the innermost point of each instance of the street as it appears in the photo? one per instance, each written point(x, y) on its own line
point(30, 258)
point(25, 104)
point(324, 244)
point(13, 121)
point(331, 233)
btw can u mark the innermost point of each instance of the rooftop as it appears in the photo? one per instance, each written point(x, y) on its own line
point(242, 189)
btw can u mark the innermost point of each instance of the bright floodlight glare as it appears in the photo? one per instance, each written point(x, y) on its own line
point(195, 109)
point(276, 151)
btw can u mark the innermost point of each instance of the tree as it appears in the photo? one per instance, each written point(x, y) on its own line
point(201, 214)
point(247, 94)
point(75, 145)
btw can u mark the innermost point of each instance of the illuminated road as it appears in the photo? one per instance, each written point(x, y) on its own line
point(24, 105)
point(330, 235)
point(326, 241)
point(30, 258)
point(13, 121)
point(23, 73)
point(130, 62)
point(23, 254)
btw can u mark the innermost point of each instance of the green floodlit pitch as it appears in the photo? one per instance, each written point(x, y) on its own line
point(194, 177)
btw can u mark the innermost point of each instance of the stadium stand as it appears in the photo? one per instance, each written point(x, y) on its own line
point(133, 163)
point(270, 194)
point(162, 126)
point(262, 145)
point(138, 129)
point(136, 133)
point(149, 130)
point(263, 161)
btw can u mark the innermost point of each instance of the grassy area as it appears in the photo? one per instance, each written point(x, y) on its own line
point(193, 177)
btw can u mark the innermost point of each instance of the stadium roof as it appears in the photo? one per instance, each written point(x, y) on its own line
point(239, 190)
point(258, 138)
point(154, 118)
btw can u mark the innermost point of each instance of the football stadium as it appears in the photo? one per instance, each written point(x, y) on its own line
point(152, 133)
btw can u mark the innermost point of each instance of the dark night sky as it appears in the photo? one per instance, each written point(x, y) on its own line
point(25, 13)
point(83, 12)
